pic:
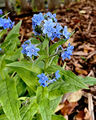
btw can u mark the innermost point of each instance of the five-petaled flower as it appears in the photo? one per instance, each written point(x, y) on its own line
point(43, 79)
point(49, 27)
point(6, 23)
point(68, 52)
point(66, 33)
point(29, 49)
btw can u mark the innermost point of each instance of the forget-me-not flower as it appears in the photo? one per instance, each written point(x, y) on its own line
point(57, 33)
point(52, 16)
point(36, 22)
point(29, 49)
point(43, 79)
point(32, 50)
point(37, 19)
point(26, 43)
point(66, 33)
point(6, 23)
point(49, 27)
point(51, 81)
point(68, 52)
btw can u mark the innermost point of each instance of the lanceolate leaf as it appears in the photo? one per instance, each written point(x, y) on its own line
point(27, 72)
point(3, 117)
point(8, 99)
point(55, 45)
point(68, 76)
point(89, 80)
point(45, 110)
point(28, 111)
point(11, 41)
point(54, 103)
point(44, 103)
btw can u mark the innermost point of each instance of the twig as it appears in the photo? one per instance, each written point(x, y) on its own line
point(90, 106)
point(89, 26)
point(91, 54)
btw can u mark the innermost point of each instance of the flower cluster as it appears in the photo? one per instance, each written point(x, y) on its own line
point(29, 49)
point(6, 23)
point(68, 52)
point(47, 25)
point(45, 81)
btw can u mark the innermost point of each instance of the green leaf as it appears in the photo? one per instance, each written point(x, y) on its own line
point(55, 45)
point(37, 117)
point(72, 79)
point(11, 41)
point(60, 88)
point(2, 33)
point(44, 103)
point(54, 103)
point(68, 76)
point(27, 72)
point(15, 31)
point(58, 117)
point(2, 62)
point(3, 117)
point(45, 43)
point(41, 93)
point(8, 99)
point(14, 56)
point(88, 80)
point(28, 111)
point(20, 85)
point(44, 109)
point(34, 41)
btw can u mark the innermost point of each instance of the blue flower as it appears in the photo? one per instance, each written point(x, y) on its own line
point(6, 23)
point(32, 50)
point(24, 49)
point(11, 23)
point(57, 75)
point(0, 49)
point(1, 12)
point(52, 16)
point(49, 27)
point(57, 33)
point(36, 22)
point(26, 43)
point(51, 81)
point(68, 52)
point(66, 33)
point(37, 19)
point(43, 79)
point(29, 49)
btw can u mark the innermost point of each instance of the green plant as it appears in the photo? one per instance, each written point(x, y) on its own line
point(21, 96)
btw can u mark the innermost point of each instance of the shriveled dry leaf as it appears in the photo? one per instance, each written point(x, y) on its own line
point(74, 97)
point(80, 115)
point(68, 108)
point(81, 71)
